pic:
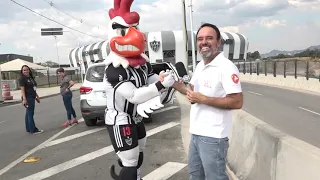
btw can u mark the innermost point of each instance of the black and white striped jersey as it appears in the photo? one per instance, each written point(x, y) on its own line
point(126, 88)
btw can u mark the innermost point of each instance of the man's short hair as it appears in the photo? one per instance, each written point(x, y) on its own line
point(213, 27)
point(60, 70)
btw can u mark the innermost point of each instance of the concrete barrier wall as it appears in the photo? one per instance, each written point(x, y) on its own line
point(301, 83)
point(260, 152)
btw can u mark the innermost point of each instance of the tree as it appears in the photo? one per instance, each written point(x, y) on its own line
point(255, 55)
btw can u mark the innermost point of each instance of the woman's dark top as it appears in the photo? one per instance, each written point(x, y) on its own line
point(29, 85)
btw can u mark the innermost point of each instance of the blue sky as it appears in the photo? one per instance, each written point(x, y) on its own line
point(268, 24)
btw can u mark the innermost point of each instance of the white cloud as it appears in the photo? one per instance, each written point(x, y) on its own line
point(273, 23)
point(234, 29)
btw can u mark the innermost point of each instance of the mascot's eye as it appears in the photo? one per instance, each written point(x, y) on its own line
point(123, 32)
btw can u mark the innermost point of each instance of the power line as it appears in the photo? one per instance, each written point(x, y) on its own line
point(54, 20)
point(80, 20)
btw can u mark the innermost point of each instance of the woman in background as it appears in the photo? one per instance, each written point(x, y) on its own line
point(29, 95)
point(66, 93)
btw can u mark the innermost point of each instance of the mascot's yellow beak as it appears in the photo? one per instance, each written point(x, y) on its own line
point(130, 45)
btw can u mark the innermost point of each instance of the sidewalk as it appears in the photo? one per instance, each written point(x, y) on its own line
point(42, 92)
point(185, 112)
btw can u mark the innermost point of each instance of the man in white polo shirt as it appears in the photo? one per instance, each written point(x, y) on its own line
point(215, 90)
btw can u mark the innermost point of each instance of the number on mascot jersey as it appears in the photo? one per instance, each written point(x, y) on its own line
point(126, 131)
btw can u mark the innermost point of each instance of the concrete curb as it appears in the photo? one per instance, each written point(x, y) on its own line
point(13, 102)
point(300, 84)
point(185, 110)
point(231, 175)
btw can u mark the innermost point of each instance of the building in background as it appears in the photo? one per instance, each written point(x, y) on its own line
point(162, 46)
point(9, 57)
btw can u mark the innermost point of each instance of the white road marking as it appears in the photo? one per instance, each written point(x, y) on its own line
point(165, 172)
point(310, 111)
point(20, 104)
point(74, 136)
point(165, 109)
point(255, 93)
point(2, 122)
point(14, 163)
point(88, 157)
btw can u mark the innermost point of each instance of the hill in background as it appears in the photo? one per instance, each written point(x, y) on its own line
point(277, 52)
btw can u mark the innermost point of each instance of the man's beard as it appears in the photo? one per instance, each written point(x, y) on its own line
point(209, 54)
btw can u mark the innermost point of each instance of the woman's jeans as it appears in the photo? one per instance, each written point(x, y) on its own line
point(67, 100)
point(207, 158)
point(29, 119)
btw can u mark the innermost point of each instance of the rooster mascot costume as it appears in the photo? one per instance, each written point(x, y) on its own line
point(133, 90)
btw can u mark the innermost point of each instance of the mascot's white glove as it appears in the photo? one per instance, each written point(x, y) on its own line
point(149, 106)
point(168, 78)
point(155, 103)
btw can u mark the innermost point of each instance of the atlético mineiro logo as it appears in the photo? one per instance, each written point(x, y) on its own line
point(155, 45)
point(235, 78)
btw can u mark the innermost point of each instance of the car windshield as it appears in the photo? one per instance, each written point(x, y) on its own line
point(95, 73)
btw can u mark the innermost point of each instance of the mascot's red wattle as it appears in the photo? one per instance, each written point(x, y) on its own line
point(126, 42)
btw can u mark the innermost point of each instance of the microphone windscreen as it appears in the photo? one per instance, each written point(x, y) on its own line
point(181, 69)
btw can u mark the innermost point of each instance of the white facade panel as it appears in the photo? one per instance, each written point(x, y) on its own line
point(157, 53)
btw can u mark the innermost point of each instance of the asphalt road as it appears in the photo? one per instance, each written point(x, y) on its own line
point(81, 152)
point(293, 112)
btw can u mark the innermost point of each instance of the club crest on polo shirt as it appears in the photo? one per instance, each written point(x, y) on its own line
point(235, 78)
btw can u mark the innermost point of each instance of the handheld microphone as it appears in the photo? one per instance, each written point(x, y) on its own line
point(183, 73)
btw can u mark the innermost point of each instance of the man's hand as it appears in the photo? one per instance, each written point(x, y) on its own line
point(195, 97)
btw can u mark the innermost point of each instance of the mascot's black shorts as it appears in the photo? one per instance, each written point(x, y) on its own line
point(125, 137)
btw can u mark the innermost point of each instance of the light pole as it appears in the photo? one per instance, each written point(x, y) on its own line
point(185, 37)
point(78, 46)
point(192, 38)
point(78, 42)
point(55, 37)
point(1, 98)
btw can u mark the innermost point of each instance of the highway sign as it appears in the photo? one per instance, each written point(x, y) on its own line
point(51, 31)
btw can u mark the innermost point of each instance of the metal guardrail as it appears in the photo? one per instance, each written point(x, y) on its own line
point(296, 68)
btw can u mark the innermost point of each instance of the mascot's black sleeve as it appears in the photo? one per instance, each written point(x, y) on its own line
point(119, 79)
point(152, 77)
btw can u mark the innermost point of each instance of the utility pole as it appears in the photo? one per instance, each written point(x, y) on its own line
point(185, 36)
point(55, 37)
point(53, 32)
point(192, 38)
point(1, 98)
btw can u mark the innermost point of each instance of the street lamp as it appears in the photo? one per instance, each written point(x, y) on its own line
point(53, 32)
point(77, 46)
point(1, 98)
point(78, 42)
point(185, 37)
point(192, 38)
point(55, 37)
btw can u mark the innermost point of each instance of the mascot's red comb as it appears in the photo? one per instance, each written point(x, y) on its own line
point(122, 8)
